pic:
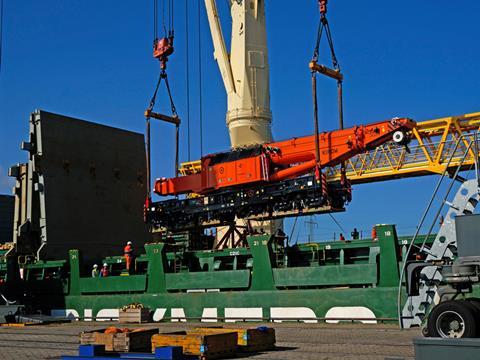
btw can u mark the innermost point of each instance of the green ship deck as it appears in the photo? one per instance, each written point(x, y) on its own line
point(266, 280)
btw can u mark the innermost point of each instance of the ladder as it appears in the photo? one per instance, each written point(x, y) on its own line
point(444, 245)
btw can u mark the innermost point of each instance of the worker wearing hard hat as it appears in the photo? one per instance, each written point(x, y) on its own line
point(128, 252)
point(104, 272)
point(95, 272)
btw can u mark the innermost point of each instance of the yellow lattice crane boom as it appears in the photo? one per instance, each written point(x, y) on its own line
point(432, 145)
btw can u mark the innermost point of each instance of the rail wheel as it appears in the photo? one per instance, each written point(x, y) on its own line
point(453, 319)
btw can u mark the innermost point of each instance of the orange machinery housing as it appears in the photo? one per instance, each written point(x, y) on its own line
point(282, 160)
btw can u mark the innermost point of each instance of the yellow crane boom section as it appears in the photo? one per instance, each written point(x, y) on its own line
point(432, 145)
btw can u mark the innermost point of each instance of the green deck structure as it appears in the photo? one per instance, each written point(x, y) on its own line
point(264, 281)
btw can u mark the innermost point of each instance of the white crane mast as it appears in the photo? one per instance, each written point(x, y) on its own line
point(245, 74)
point(245, 71)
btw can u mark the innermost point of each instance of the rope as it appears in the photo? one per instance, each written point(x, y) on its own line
point(155, 19)
point(338, 224)
point(188, 78)
point(154, 97)
point(324, 25)
point(169, 17)
point(163, 75)
point(200, 76)
point(172, 105)
point(172, 24)
point(317, 44)
point(1, 33)
point(335, 63)
point(148, 137)
point(163, 18)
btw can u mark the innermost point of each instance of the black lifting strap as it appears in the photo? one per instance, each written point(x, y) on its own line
point(324, 25)
point(174, 119)
point(335, 73)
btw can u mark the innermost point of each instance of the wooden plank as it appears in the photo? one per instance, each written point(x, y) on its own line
point(134, 315)
point(250, 339)
point(207, 346)
point(136, 340)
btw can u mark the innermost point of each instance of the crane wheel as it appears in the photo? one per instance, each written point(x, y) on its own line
point(453, 319)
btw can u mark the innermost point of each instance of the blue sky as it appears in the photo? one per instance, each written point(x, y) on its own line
point(92, 60)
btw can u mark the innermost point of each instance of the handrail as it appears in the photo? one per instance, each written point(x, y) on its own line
point(7, 302)
point(446, 195)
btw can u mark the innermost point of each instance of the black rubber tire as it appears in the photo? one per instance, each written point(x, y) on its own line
point(464, 309)
point(475, 302)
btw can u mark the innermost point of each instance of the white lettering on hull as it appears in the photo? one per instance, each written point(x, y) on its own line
point(350, 312)
point(279, 314)
point(178, 314)
point(238, 314)
point(66, 313)
point(107, 315)
point(210, 315)
point(87, 314)
point(159, 314)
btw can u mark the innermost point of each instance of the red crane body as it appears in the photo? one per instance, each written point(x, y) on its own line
point(283, 160)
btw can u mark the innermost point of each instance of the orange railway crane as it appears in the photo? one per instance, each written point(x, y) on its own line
point(269, 181)
point(284, 160)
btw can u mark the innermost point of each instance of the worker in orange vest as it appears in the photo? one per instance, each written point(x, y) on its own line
point(374, 234)
point(128, 252)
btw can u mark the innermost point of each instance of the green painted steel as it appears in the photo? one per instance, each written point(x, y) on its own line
point(262, 273)
point(329, 275)
point(157, 266)
point(306, 303)
point(113, 284)
point(389, 255)
point(304, 281)
point(74, 258)
point(228, 279)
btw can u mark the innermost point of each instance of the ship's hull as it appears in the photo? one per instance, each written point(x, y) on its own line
point(303, 305)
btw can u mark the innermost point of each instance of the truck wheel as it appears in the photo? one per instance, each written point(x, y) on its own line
point(476, 303)
point(452, 319)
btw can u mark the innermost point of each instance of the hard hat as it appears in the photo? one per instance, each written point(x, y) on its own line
point(129, 243)
point(105, 264)
point(95, 266)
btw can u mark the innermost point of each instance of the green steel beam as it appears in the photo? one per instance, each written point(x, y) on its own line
point(74, 258)
point(262, 274)
point(389, 255)
point(157, 266)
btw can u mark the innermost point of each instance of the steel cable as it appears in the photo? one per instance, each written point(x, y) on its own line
point(1, 33)
point(200, 76)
